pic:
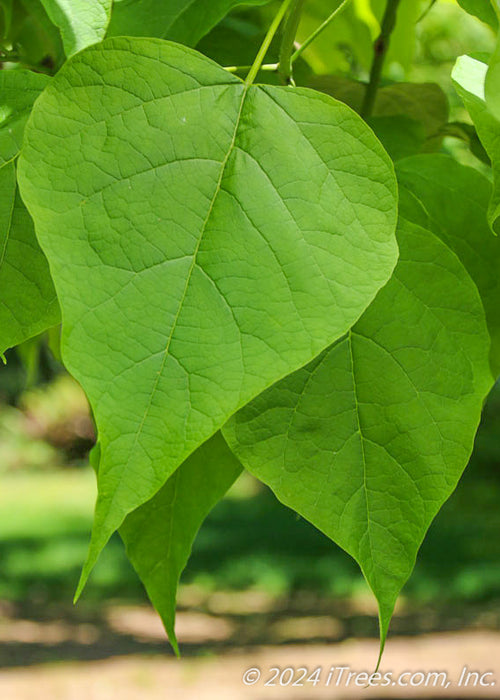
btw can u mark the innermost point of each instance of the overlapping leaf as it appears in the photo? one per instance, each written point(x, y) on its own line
point(28, 303)
point(18, 91)
point(185, 21)
point(452, 200)
point(408, 118)
point(483, 9)
point(370, 439)
point(469, 76)
point(82, 22)
point(159, 535)
point(206, 238)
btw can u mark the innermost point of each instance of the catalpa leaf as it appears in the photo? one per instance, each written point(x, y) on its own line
point(159, 535)
point(28, 303)
point(369, 440)
point(185, 21)
point(468, 77)
point(81, 22)
point(224, 234)
point(453, 200)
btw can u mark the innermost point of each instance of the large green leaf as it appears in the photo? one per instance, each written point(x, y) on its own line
point(82, 22)
point(185, 21)
point(370, 439)
point(224, 235)
point(28, 303)
point(159, 535)
point(468, 77)
point(453, 202)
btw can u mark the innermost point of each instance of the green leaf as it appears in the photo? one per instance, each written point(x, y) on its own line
point(370, 439)
point(28, 303)
point(224, 235)
point(492, 83)
point(468, 77)
point(18, 92)
point(425, 104)
point(82, 22)
point(454, 200)
point(185, 21)
point(483, 9)
point(401, 136)
point(159, 535)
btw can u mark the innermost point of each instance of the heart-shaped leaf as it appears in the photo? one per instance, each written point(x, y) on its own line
point(369, 440)
point(206, 238)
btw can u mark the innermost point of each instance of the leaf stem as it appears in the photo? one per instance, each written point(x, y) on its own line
point(287, 42)
point(259, 59)
point(381, 47)
point(264, 67)
point(318, 31)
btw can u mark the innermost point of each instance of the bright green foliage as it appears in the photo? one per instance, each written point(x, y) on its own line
point(28, 303)
point(452, 200)
point(159, 535)
point(482, 9)
point(82, 22)
point(370, 439)
point(185, 21)
point(469, 76)
point(355, 26)
point(224, 235)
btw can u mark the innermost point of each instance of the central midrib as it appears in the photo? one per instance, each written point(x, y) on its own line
point(189, 275)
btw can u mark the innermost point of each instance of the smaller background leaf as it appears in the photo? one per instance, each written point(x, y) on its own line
point(159, 535)
point(82, 22)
